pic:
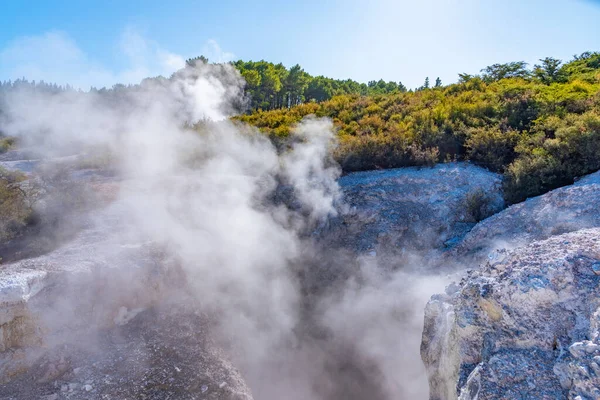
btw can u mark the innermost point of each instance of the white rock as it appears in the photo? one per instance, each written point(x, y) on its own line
point(124, 315)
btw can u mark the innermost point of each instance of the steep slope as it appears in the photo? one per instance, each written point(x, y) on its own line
point(562, 210)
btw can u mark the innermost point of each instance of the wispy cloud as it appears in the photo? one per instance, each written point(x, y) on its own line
point(56, 57)
point(214, 53)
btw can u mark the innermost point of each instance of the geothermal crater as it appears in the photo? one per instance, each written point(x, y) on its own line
point(166, 258)
point(104, 313)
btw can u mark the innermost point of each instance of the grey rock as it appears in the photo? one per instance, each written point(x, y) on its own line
point(562, 210)
point(417, 209)
point(524, 327)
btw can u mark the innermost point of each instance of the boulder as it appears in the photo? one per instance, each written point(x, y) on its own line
point(562, 210)
point(412, 209)
point(526, 325)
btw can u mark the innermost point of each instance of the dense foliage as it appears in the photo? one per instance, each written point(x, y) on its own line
point(15, 204)
point(270, 86)
point(540, 127)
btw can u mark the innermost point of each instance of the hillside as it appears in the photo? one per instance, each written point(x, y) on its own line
point(540, 127)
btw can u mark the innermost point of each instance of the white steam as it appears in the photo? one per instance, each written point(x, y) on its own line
point(207, 197)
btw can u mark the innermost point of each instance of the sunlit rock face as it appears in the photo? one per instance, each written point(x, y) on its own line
point(525, 326)
point(523, 323)
point(560, 211)
point(413, 209)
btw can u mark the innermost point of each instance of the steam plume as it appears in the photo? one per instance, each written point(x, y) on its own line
point(207, 197)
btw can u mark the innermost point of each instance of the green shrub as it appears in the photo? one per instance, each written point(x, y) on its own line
point(6, 143)
point(478, 206)
point(563, 150)
point(532, 175)
point(15, 204)
point(492, 148)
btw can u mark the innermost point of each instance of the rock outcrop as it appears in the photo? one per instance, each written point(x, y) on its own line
point(413, 209)
point(524, 326)
point(19, 160)
point(562, 210)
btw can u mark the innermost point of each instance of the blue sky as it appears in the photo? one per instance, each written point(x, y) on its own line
point(101, 42)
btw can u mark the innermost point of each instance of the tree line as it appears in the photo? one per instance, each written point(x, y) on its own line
point(271, 86)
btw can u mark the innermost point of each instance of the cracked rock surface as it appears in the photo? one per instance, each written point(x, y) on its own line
point(526, 326)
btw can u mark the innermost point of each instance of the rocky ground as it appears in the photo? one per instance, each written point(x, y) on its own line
point(162, 353)
point(98, 314)
point(97, 319)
